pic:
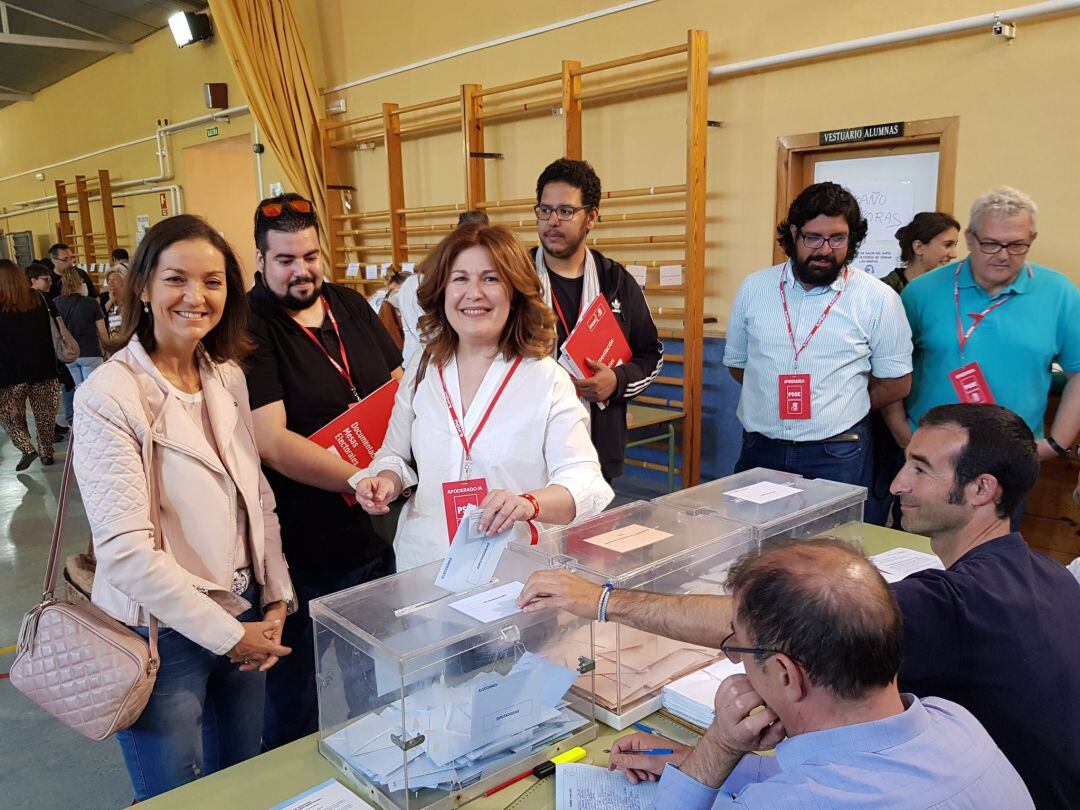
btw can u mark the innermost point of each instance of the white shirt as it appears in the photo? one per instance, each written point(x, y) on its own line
point(537, 435)
point(409, 307)
point(866, 332)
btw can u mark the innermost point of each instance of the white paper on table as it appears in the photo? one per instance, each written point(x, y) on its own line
point(639, 273)
point(371, 271)
point(670, 275)
point(471, 559)
point(897, 563)
point(628, 538)
point(353, 270)
point(700, 687)
point(408, 267)
point(762, 492)
point(590, 787)
point(330, 795)
point(498, 603)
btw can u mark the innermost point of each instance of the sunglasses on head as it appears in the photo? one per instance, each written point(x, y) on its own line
point(274, 209)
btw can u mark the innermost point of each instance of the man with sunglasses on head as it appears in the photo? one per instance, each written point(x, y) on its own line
point(816, 344)
point(820, 638)
point(988, 328)
point(572, 276)
point(319, 348)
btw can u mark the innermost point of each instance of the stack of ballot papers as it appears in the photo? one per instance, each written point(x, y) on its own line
point(692, 697)
point(470, 730)
point(647, 662)
point(897, 563)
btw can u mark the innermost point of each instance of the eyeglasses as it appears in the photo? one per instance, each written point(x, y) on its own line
point(565, 212)
point(816, 240)
point(990, 247)
point(274, 210)
point(735, 654)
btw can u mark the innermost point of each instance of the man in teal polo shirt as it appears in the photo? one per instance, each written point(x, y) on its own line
point(987, 329)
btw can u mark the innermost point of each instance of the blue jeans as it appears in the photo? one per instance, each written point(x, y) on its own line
point(846, 462)
point(203, 715)
point(80, 370)
point(292, 704)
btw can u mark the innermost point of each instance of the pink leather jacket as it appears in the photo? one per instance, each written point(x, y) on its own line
point(126, 421)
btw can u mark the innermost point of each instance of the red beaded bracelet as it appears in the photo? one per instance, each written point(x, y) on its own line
point(535, 505)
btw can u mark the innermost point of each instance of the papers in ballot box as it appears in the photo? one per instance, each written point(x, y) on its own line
point(598, 337)
point(470, 730)
point(358, 433)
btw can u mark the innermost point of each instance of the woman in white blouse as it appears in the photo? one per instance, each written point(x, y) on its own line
point(484, 400)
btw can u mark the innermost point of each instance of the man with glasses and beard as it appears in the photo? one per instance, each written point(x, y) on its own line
point(319, 348)
point(571, 277)
point(988, 328)
point(816, 344)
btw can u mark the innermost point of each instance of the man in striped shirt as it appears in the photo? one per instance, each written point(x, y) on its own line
point(816, 344)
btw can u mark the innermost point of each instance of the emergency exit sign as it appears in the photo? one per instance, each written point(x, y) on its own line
point(212, 132)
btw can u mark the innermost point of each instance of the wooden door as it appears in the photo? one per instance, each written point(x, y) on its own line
point(220, 185)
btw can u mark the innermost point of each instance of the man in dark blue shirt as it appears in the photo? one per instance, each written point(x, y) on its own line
point(997, 631)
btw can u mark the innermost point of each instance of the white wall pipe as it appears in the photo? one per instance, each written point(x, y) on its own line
point(981, 21)
point(173, 189)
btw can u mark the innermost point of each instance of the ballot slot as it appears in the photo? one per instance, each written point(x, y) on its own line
point(774, 504)
point(641, 546)
point(429, 706)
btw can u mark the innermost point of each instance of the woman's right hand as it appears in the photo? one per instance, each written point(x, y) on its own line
point(375, 494)
point(258, 643)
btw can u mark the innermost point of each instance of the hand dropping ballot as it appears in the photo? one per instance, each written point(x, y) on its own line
point(472, 558)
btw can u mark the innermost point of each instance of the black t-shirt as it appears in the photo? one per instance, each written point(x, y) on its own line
point(567, 292)
point(999, 633)
point(81, 315)
point(27, 354)
point(322, 535)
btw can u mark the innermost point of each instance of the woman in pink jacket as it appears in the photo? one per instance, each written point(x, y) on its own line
point(164, 446)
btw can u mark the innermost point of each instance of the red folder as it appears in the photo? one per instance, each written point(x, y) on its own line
point(596, 336)
point(358, 433)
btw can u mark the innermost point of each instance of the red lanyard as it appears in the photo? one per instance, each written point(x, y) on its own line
point(821, 320)
point(344, 372)
point(558, 311)
point(468, 444)
point(976, 317)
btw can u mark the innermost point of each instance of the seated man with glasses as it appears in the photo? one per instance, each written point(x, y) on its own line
point(820, 634)
point(571, 277)
point(988, 328)
point(816, 344)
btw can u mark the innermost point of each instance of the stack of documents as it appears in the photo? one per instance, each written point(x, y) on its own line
point(588, 787)
point(631, 664)
point(897, 563)
point(469, 731)
point(692, 697)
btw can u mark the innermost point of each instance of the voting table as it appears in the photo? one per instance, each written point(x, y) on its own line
point(279, 775)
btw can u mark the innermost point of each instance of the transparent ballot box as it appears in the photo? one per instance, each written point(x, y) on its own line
point(642, 546)
point(428, 698)
point(776, 504)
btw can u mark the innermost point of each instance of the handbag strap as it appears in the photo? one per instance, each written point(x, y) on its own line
point(52, 569)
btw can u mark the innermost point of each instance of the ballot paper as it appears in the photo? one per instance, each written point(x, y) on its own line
point(371, 271)
point(353, 270)
point(639, 273)
point(489, 606)
point(897, 563)
point(762, 492)
point(692, 696)
point(471, 560)
point(330, 795)
point(590, 787)
point(628, 538)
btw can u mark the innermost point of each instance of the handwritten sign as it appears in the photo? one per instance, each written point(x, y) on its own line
point(886, 206)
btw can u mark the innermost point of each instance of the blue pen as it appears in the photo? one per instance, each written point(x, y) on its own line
point(651, 751)
point(646, 729)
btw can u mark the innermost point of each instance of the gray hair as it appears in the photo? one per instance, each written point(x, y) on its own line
point(1003, 201)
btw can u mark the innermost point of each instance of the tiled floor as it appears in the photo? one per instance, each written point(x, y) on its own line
point(43, 764)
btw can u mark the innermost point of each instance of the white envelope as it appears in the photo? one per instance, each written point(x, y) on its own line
point(472, 557)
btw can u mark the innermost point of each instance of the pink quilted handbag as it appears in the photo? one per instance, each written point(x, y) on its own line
point(78, 663)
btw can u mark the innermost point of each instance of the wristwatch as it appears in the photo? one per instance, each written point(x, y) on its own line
point(1057, 448)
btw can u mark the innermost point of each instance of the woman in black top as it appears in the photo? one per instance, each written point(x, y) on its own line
point(27, 366)
point(86, 322)
point(928, 241)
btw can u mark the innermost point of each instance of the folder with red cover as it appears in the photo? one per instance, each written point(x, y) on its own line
point(596, 336)
point(358, 433)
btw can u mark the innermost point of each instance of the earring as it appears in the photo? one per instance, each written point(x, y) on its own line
point(146, 307)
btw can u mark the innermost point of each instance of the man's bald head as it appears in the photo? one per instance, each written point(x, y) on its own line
point(824, 605)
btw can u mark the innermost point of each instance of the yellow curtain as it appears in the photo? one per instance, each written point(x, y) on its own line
point(264, 45)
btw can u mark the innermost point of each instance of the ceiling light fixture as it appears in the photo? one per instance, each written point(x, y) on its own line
point(188, 27)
